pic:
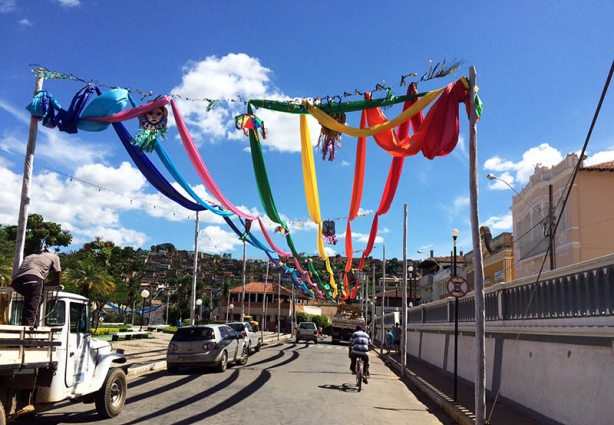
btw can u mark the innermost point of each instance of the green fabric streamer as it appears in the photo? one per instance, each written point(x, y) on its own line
point(267, 200)
point(332, 108)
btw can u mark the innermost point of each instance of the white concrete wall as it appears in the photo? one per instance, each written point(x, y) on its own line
point(568, 383)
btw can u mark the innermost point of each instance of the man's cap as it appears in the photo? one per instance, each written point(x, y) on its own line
point(358, 327)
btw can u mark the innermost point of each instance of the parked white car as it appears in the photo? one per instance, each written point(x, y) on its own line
point(252, 340)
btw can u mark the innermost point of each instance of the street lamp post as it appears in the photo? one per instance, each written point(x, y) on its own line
point(454, 234)
point(199, 303)
point(230, 308)
point(144, 294)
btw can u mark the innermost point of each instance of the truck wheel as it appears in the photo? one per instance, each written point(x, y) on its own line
point(2, 415)
point(111, 397)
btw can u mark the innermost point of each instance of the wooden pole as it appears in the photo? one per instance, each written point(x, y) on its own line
point(195, 271)
point(266, 282)
point(404, 309)
point(243, 289)
point(28, 166)
point(480, 323)
point(381, 343)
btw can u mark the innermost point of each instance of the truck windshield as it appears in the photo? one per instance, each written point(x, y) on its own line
point(56, 311)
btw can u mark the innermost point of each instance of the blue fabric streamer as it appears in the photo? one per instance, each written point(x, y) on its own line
point(170, 166)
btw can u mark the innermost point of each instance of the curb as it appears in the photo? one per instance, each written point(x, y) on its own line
point(139, 369)
point(457, 412)
point(150, 367)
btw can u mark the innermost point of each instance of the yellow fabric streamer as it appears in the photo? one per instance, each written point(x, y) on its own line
point(331, 123)
point(311, 195)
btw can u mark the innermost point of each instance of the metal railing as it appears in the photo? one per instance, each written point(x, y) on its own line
point(582, 290)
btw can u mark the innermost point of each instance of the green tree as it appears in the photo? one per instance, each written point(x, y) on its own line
point(90, 280)
point(40, 233)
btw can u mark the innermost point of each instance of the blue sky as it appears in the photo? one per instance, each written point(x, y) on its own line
point(541, 70)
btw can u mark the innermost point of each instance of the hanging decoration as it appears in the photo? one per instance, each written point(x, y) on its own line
point(43, 107)
point(248, 122)
point(328, 232)
point(150, 124)
point(281, 229)
point(329, 139)
point(248, 226)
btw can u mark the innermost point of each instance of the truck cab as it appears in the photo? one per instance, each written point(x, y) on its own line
point(58, 360)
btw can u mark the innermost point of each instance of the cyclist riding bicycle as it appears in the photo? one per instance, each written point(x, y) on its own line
point(359, 347)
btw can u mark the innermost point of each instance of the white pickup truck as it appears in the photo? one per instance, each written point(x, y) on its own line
point(57, 361)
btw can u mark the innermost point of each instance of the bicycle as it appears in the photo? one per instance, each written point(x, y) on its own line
point(359, 372)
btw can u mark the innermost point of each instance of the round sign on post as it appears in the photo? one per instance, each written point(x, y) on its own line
point(457, 287)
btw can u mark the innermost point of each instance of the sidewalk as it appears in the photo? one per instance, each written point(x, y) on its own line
point(439, 387)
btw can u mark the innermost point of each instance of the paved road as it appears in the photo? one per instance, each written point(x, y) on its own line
point(283, 383)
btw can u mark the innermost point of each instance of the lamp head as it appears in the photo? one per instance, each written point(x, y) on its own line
point(199, 302)
point(491, 177)
point(419, 251)
point(231, 306)
point(144, 293)
point(454, 233)
point(410, 269)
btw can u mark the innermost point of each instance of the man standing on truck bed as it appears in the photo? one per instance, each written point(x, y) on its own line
point(29, 280)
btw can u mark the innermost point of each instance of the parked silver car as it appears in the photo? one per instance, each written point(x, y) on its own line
point(214, 345)
point(251, 338)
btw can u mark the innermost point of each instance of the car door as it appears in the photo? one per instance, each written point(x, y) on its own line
point(230, 341)
point(79, 359)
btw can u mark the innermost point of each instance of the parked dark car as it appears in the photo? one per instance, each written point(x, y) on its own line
point(213, 345)
point(251, 338)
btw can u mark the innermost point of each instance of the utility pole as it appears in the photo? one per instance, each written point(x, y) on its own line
point(28, 166)
point(551, 220)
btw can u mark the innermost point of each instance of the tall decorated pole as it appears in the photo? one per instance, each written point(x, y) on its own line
point(480, 321)
point(404, 309)
point(194, 272)
point(28, 167)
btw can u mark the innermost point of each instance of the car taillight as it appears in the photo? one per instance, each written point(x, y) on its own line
point(173, 347)
point(209, 346)
point(244, 334)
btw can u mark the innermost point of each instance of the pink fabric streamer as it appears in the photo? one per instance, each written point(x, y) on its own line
point(128, 114)
point(203, 172)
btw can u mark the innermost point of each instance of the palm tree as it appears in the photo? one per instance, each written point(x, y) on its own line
point(92, 281)
point(87, 277)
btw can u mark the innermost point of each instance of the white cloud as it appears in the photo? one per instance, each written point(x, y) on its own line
point(25, 23)
point(599, 158)
point(234, 79)
point(543, 155)
point(7, 6)
point(215, 240)
point(69, 3)
point(500, 223)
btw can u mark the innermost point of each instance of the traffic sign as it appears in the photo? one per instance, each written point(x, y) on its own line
point(457, 286)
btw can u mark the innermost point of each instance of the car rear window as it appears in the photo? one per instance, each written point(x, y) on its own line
point(237, 326)
point(194, 334)
point(307, 325)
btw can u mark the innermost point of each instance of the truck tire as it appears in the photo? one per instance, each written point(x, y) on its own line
point(2, 415)
point(111, 397)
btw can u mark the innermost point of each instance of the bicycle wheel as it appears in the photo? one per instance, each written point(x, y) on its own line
point(359, 373)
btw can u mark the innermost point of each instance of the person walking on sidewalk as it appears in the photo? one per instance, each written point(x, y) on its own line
point(389, 340)
point(396, 331)
point(29, 280)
